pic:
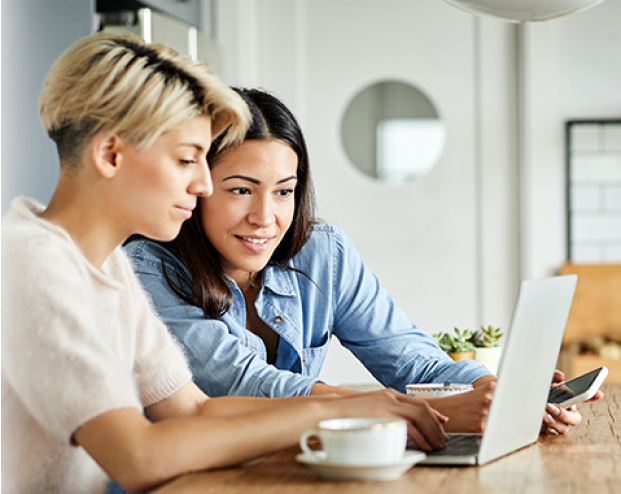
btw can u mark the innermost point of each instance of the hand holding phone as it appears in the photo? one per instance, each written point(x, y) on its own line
point(577, 390)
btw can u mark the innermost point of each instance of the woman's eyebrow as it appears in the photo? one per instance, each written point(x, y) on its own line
point(242, 177)
point(292, 177)
point(257, 182)
point(191, 145)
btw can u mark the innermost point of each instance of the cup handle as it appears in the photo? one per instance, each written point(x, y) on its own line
point(304, 443)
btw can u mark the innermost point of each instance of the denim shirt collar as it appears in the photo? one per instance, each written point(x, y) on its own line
point(276, 279)
point(279, 281)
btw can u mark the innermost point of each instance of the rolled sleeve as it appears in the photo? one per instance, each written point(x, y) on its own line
point(380, 335)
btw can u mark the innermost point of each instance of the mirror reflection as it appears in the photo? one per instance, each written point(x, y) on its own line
point(391, 131)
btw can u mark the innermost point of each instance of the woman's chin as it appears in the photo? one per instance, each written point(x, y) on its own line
point(163, 235)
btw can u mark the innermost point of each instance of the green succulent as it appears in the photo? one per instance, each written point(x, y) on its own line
point(491, 335)
point(477, 339)
point(455, 343)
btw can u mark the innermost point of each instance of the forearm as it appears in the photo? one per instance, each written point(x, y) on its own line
point(235, 406)
point(140, 455)
point(482, 381)
point(232, 440)
point(320, 389)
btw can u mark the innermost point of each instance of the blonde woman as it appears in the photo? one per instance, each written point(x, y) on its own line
point(84, 357)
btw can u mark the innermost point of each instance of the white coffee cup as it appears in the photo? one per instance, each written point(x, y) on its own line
point(358, 441)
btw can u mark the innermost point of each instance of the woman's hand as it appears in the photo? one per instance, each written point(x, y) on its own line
point(468, 412)
point(424, 423)
point(558, 420)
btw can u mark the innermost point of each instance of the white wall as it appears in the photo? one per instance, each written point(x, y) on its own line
point(571, 69)
point(34, 33)
point(589, 69)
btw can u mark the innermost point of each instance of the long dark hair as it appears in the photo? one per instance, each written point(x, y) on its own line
point(208, 288)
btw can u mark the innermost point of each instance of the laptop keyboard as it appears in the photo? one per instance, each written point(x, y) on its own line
point(459, 445)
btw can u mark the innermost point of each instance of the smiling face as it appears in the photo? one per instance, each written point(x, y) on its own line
point(159, 188)
point(252, 205)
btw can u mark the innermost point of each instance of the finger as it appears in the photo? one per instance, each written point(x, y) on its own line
point(570, 416)
point(418, 438)
point(547, 422)
point(547, 425)
point(432, 441)
point(560, 427)
point(443, 419)
point(562, 419)
point(429, 426)
point(559, 376)
point(425, 421)
point(489, 389)
point(553, 426)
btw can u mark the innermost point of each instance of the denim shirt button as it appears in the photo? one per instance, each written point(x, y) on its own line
point(303, 363)
point(278, 319)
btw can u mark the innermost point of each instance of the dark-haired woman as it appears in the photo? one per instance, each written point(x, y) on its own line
point(254, 288)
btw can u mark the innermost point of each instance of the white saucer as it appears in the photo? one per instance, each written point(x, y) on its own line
point(390, 471)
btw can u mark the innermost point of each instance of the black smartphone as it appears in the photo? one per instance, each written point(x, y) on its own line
point(579, 389)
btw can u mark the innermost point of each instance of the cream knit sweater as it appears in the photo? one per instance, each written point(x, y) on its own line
point(76, 342)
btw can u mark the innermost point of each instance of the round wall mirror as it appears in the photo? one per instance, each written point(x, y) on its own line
point(392, 132)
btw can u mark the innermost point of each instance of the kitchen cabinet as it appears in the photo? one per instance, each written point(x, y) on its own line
point(188, 11)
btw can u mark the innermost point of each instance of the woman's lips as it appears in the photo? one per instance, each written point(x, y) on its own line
point(187, 212)
point(256, 245)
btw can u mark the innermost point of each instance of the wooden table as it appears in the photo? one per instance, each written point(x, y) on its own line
point(587, 460)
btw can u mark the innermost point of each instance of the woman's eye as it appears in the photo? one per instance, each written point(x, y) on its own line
point(240, 191)
point(187, 162)
point(285, 192)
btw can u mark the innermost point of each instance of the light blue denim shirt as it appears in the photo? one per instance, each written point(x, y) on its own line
point(344, 299)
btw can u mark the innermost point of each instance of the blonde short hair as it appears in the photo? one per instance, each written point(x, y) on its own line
point(122, 85)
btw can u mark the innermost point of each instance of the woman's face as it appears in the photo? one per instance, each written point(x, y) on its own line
point(252, 205)
point(158, 187)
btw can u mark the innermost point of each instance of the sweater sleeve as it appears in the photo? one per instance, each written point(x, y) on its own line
point(59, 351)
point(160, 365)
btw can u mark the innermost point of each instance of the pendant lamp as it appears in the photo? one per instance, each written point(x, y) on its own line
point(523, 10)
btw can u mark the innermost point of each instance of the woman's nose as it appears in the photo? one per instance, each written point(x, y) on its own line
point(261, 213)
point(202, 184)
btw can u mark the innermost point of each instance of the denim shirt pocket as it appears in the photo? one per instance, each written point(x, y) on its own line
point(313, 359)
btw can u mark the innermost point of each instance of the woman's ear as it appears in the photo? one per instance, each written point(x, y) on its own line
point(105, 153)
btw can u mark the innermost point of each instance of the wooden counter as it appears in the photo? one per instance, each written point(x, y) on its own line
point(587, 460)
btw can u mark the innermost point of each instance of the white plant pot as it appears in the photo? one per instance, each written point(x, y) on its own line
point(489, 357)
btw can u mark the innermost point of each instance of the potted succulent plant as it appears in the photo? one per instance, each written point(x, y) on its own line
point(457, 346)
point(488, 351)
point(481, 345)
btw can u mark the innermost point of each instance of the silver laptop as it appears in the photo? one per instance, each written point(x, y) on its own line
point(524, 376)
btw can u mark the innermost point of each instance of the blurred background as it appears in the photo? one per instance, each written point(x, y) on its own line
point(460, 153)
